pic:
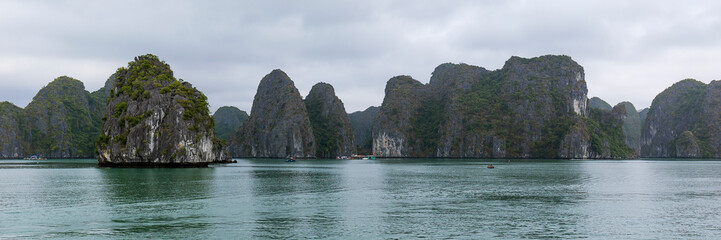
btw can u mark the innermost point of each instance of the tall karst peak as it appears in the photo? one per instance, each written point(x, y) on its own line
point(154, 119)
point(527, 109)
point(331, 125)
point(278, 125)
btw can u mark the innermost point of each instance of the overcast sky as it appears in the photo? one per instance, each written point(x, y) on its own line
point(630, 50)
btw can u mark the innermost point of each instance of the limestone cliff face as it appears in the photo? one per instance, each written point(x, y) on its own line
point(687, 146)
point(109, 85)
point(599, 135)
point(11, 131)
point(392, 127)
point(362, 124)
point(642, 115)
point(278, 126)
point(631, 125)
point(682, 118)
point(709, 132)
point(329, 120)
point(228, 120)
point(63, 120)
point(527, 109)
point(153, 119)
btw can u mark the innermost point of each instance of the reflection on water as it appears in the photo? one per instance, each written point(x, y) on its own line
point(353, 199)
point(157, 202)
point(296, 200)
point(468, 200)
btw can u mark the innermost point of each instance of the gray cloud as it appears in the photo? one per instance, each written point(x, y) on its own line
point(631, 50)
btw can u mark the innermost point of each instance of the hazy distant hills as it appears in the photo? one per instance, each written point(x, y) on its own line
point(228, 119)
point(530, 108)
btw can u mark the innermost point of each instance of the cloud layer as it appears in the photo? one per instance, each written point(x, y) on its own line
point(631, 50)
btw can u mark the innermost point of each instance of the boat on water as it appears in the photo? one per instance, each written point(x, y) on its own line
point(364, 157)
point(34, 157)
point(491, 166)
point(290, 160)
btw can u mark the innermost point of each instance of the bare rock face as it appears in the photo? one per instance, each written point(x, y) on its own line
point(687, 146)
point(278, 126)
point(642, 115)
point(153, 119)
point(631, 125)
point(392, 127)
point(11, 131)
point(362, 124)
point(329, 120)
point(531, 108)
point(683, 121)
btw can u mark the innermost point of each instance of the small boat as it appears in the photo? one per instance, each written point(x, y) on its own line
point(290, 160)
point(34, 157)
point(363, 157)
point(491, 166)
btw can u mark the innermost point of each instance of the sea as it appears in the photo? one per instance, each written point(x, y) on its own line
point(364, 199)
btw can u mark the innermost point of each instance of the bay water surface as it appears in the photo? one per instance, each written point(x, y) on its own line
point(363, 199)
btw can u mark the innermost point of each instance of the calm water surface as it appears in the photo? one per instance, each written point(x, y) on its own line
point(364, 199)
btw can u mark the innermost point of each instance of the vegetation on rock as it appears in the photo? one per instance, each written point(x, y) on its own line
point(685, 116)
point(278, 125)
point(598, 103)
point(228, 120)
point(524, 110)
point(362, 124)
point(63, 120)
point(329, 120)
point(152, 118)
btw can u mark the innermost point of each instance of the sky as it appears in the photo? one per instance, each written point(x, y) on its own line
point(630, 50)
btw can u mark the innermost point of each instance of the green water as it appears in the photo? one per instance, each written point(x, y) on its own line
point(363, 199)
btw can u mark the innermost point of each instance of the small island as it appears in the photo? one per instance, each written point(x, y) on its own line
point(155, 120)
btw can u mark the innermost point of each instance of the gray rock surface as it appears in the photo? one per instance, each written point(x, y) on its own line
point(278, 126)
point(642, 115)
point(524, 110)
point(687, 146)
point(683, 121)
point(362, 124)
point(63, 120)
point(331, 127)
point(631, 125)
point(11, 131)
point(155, 120)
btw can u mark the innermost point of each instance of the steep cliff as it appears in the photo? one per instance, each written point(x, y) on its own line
point(329, 120)
point(278, 125)
point(631, 125)
point(228, 120)
point(12, 131)
point(683, 121)
point(63, 120)
point(153, 119)
point(598, 103)
point(362, 124)
point(524, 110)
point(392, 127)
point(109, 85)
point(642, 115)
